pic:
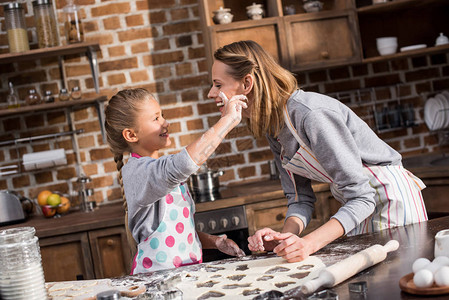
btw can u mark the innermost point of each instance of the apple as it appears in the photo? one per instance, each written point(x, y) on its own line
point(48, 211)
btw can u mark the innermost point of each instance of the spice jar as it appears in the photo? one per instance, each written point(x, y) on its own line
point(46, 28)
point(33, 97)
point(16, 28)
point(64, 95)
point(49, 98)
point(12, 98)
point(76, 93)
point(73, 27)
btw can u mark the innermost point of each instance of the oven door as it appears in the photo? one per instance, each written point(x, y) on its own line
point(230, 221)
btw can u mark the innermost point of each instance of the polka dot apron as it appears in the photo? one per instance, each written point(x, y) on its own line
point(175, 242)
point(398, 192)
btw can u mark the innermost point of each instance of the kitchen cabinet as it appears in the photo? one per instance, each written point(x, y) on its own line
point(95, 254)
point(344, 32)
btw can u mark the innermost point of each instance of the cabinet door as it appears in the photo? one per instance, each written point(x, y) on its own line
point(66, 257)
point(269, 33)
point(269, 214)
point(322, 40)
point(110, 252)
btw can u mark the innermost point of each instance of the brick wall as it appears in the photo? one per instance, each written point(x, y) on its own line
point(158, 45)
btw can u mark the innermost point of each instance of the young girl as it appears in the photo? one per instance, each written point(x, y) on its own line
point(316, 137)
point(156, 198)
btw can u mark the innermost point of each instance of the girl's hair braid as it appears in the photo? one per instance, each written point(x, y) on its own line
point(121, 113)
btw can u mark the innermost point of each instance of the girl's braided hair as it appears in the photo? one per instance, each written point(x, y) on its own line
point(121, 113)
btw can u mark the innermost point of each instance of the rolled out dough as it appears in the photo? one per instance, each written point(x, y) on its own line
point(247, 279)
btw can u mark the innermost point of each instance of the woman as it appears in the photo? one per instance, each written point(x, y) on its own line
point(315, 137)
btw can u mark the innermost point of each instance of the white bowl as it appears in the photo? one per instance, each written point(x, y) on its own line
point(386, 41)
point(387, 50)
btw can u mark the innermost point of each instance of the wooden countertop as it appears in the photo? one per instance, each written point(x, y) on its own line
point(382, 279)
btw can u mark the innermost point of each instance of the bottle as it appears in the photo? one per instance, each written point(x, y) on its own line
point(76, 93)
point(49, 98)
point(16, 28)
point(64, 95)
point(12, 99)
point(46, 28)
point(33, 97)
point(73, 26)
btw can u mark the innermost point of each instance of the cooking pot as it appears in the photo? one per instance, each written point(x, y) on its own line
point(12, 207)
point(205, 185)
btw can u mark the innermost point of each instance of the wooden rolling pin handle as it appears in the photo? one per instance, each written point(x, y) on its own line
point(350, 266)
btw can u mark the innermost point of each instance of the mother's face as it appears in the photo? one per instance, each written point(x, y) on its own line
point(223, 82)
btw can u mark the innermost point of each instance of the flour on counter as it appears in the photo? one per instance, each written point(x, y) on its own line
point(247, 279)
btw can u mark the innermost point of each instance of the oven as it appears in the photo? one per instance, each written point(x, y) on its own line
point(230, 221)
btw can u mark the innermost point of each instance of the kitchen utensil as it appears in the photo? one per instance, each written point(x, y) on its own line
point(350, 266)
point(442, 243)
point(84, 193)
point(387, 45)
point(205, 185)
point(255, 11)
point(222, 16)
point(11, 210)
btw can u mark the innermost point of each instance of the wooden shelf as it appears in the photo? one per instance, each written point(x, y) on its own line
point(394, 5)
point(405, 54)
point(46, 52)
point(75, 104)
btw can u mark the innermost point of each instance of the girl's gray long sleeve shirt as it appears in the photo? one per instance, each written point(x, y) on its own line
point(341, 141)
point(146, 181)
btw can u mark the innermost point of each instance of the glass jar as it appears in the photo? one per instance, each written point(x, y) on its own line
point(49, 98)
point(76, 93)
point(12, 98)
point(16, 28)
point(46, 28)
point(64, 95)
point(73, 26)
point(33, 97)
point(21, 272)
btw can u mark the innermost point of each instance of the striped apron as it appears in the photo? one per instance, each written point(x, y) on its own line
point(397, 191)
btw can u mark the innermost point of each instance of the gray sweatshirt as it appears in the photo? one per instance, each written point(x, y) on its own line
point(341, 142)
point(146, 181)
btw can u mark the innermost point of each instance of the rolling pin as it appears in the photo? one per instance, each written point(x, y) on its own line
point(350, 266)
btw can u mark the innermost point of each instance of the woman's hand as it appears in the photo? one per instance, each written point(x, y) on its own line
point(262, 240)
point(228, 246)
point(291, 247)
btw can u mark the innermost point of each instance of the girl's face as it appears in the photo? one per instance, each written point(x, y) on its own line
point(151, 130)
point(223, 82)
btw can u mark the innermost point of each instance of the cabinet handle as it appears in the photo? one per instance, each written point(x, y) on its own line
point(325, 54)
point(280, 217)
point(110, 242)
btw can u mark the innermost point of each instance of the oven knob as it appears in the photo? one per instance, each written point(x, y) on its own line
point(212, 224)
point(200, 226)
point(224, 223)
point(235, 221)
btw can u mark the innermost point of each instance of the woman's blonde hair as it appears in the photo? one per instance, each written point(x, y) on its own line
point(120, 113)
point(273, 84)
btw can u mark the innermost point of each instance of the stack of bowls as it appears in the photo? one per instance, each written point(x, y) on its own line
point(387, 45)
point(21, 273)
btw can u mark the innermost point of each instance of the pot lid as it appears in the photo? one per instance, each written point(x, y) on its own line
point(254, 5)
point(221, 9)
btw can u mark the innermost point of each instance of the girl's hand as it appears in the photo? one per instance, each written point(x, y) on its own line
point(291, 247)
point(228, 246)
point(233, 107)
point(263, 240)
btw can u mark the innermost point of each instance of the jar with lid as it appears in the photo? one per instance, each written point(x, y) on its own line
point(49, 98)
point(64, 95)
point(76, 93)
point(33, 97)
point(46, 25)
point(16, 28)
point(12, 98)
point(74, 31)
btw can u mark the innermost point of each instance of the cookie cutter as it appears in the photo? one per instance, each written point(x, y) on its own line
point(324, 294)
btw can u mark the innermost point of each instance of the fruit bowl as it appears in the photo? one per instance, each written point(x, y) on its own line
point(53, 204)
